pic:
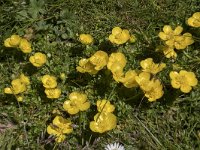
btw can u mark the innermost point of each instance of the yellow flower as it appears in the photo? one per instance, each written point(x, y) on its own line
point(143, 80)
point(38, 59)
point(25, 46)
point(19, 98)
point(24, 79)
point(53, 92)
point(7, 43)
point(15, 40)
point(77, 102)
point(63, 76)
point(86, 39)
point(168, 33)
point(86, 66)
point(8, 90)
point(99, 60)
point(116, 58)
point(149, 66)
point(119, 36)
point(18, 86)
point(49, 81)
point(152, 88)
point(183, 80)
point(103, 122)
point(194, 21)
point(116, 63)
point(117, 71)
point(105, 106)
point(60, 127)
point(53, 130)
point(129, 79)
point(156, 91)
point(63, 124)
point(132, 38)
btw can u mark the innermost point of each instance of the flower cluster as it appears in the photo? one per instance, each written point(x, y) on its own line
point(86, 39)
point(183, 80)
point(104, 120)
point(50, 84)
point(77, 102)
point(93, 64)
point(17, 41)
point(18, 86)
point(174, 40)
point(194, 21)
point(120, 36)
point(38, 59)
point(59, 128)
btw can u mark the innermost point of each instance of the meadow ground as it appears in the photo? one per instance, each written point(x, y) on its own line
point(53, 27)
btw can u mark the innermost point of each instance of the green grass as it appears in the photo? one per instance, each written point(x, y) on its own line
point(172, 122)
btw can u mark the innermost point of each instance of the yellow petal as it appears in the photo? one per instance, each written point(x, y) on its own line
point(185, 88)
point(196, 15)
point(178, 30)
point(116, 30)
point(163, 36)
point(167, 29)
point(84, 106)
point(7, 43)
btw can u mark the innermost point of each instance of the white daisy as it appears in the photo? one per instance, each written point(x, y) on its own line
point(114, 146)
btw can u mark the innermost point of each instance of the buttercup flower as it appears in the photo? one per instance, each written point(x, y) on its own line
point(19, 98)
point(49, 81)
point(105, 106)
point(86, 39)
point(24, 79)
point(156, 91)
point(129, 79)
point(77, 102)
point(183, 80)
point(116, 58)
point(152, 88)
point(149, 66)
point(7, 43)
point(168, 33)
point(53, 130)
point(114, 146)
point(38, 59)
point(53, 92)
point(132, 38)
point(194, 21)
point(25, 46)
point(86, 66)
point(116, 63)
point(117, 71)
point(63, 124)
point(103, 122)
point(60, 127)
point(143, 80)
point(119, 36)
point(99, 60)
point(18, 86)
point(13, 41)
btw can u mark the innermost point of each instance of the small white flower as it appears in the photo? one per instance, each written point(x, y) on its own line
point(114, 146)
